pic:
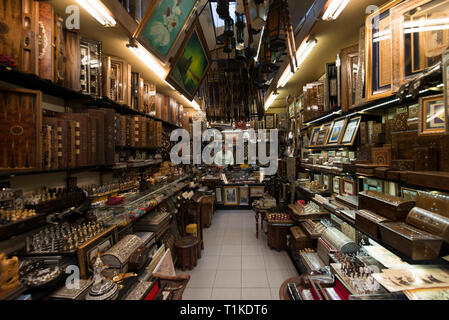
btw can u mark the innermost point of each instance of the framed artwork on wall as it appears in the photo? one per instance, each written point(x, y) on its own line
point(432, 117)
point(379, 53)
point(231, 196)
point(191, 63)
point(163, 25)
point(351, 131)
point(336, 132)
point(244, 196)
point(257, 191)
point(420, 37)
point(314, 136)
point(323, 134)
point(218, 195)
point(269, 121)
point(348, 187)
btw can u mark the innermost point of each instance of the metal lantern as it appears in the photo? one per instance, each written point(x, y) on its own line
point(223, 8)
point(229, 27)
point(227, 44)
point(276, 33)
point(240, 24)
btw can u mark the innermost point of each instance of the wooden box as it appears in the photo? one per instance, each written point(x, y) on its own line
point(437, 203)
point(430, 222)
point(410, 241)
point(277, 236)
point(45, 45)
point(368, 222)
point(324, 249)
point(403, 165)
point(393, 208)
point(19, 33)
point(381, 156)
point(20, 128)
point(91, 72)
point(117, 80)
point(72, 60)
point(426, 159)
point(300, 239)
point(59, 50)
point(136, 91)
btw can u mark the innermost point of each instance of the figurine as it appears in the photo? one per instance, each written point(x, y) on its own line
point(98, 268)
point(9, 272)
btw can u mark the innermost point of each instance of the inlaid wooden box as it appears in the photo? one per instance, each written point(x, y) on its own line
point(393, 208)
point(72, 60)
point(429, 221)
point(300, 239)
point(91, 71)
point(277, 236)
point(410, 241)
point(368, 222)
point(117, 80)
point(20, 128)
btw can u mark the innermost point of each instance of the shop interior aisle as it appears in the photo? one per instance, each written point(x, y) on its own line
point(235, 265)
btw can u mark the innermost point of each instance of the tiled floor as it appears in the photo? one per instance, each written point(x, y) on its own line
point(235, 265)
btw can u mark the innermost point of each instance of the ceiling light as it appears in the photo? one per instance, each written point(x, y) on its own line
point(98, 10)
point(334, 9)
point(147, 58)
point(192, 103)
point(270, 100)
point(285, 78)
point(305, 49)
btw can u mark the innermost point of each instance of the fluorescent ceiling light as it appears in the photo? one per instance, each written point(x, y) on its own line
point(334, 9)
point(149, 60)
point(303, 51)
point(270, 100)
point(192, 103)
point(98, 10)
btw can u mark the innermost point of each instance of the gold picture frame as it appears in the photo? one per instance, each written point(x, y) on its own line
point(154, 15)
point(336, 132)
point(231, 196)
point(433, 115)
point(378, 52)
point(323, 134)
point(425, 47)
point(446, 80)
point(349, 70)
point(351, 130)
point(256, 191)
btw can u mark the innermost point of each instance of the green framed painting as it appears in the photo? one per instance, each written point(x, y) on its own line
point(163, 25)
point(191, 63)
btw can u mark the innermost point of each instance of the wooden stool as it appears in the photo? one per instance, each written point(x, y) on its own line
point(187, 252)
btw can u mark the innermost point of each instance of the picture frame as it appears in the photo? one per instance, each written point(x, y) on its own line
point(349, 69)
point(323, 134)
point(373, 184)
point(152, 32)
point(269, 121)
point(314, 136)
point(256, 191)
point(378, 52)
point(351, 130)
point(418, 51)
point(218, 195)
point(445, 62)
point(231, 196)
point(336, 131)
point(336, 184)
point(191, 63)
point(244, 196)
point(88, 250)
point(360, 93)
point(348, 187)
point(433, 115)
point(409, 194)
point(326, 182)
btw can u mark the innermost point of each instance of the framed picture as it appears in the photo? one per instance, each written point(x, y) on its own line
point(420, 37)
point(218, 195)
point(231, 196)
point(314, 136)
point(323, 134)
point(244, 196)
point(191, 63)
point(336, 184)
point(349, 69)
point(326, 182)
point(351, 131)
point(348, 187)
point(269, 121)
point(163, 24)
point(336, 132)
point(256, 191)
point(409, 194)
point(360, 81)
point(446, 79)
point(99, 244)
point(379, 53)
point(432, 116)
point(373, 184)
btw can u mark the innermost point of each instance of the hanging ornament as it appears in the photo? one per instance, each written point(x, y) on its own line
point(276, 33)
point(240, 24)
point(229, 27)
point(223, 8)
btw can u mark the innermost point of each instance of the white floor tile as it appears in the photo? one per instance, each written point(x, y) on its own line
point(226, 294)
point(197, 294)
point(253, 263)
point(254, 279)
point(228, 279)
point(202, 278)
point(256, 294)
point(230, 263)
point(231, 250)
point(208, 263)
